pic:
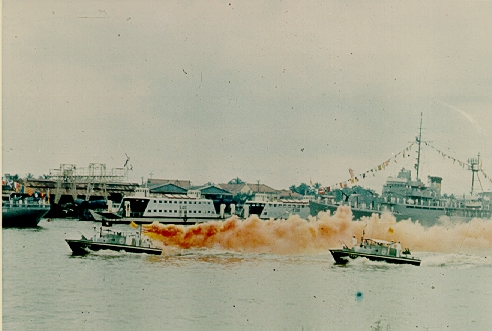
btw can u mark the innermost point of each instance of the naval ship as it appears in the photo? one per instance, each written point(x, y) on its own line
point(408, 198)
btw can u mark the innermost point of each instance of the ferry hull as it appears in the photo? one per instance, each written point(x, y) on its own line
point(112, 218)
point(343, 256)
point(83, 247)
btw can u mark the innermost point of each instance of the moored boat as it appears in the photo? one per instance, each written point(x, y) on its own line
point(107, 239)
point(143, 208)
point(408, 198)
point(374, 250)
point(22, 212)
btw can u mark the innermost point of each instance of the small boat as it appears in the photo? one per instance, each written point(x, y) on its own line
point(113, 240)
point(374, 250)
point(22, 212)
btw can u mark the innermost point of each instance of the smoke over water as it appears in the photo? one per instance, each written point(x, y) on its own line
point(316, 235)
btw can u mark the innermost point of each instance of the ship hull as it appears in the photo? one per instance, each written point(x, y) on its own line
point(315, 208)
point(427, 216)
point(22, 217)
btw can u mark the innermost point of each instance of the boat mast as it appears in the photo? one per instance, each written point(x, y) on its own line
point(419, 139)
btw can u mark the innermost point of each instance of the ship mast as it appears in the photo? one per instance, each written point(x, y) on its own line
point(419, 139)
point(474, 166)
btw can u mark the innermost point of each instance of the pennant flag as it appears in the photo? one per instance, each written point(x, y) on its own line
point(390, 230)
point(133, 225)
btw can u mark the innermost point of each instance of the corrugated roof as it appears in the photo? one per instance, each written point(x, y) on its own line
point(262, 188)
point(167, 188)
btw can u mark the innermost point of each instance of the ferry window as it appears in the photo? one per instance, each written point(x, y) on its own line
point(160, 211)
point(200, 211)
point(165, 211)
point(150, 211)
point(175, 202)
point(160, 201)
point(155, 211)
point(180, 202)
point(155, 201)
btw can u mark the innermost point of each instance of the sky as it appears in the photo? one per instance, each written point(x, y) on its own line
point(281, 92)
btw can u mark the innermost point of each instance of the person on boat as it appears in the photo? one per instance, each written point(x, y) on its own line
point(392, 246)
point(354, 243)
point(398, 249)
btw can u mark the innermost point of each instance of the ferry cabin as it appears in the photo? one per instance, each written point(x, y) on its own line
point(278, 209)
point(183, 206)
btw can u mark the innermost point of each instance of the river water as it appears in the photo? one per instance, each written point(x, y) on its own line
point(46, 288)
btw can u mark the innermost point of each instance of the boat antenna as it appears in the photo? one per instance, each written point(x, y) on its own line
point(419, 140)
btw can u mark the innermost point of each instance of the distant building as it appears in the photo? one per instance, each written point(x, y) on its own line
point(251, 189)
point(186, 184)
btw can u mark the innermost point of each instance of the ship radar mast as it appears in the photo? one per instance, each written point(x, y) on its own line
point(475, 166)
point(419, 140)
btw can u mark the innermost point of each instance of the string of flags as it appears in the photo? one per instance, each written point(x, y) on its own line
point(382, 166)
point(19, 188)
point(461, 163)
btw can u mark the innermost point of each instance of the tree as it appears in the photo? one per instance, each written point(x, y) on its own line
point(302, 189)
point(236, 180)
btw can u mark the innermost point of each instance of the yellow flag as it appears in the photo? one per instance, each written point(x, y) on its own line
point(133, 225)
point(390, 230)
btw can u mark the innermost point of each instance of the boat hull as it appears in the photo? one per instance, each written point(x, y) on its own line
point(22, 217)
point(83, 247)
point(343, 256)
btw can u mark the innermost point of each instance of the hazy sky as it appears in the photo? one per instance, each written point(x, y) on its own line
point(283, 92)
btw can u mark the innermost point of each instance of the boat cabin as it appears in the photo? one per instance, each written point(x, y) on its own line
point(376, 247)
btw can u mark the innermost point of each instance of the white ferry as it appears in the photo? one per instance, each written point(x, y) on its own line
point(265, 208)
point(164, 208)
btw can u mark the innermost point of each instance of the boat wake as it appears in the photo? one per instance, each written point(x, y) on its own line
point(458, 261)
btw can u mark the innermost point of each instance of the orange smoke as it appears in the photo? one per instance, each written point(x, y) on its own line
point(316, 235)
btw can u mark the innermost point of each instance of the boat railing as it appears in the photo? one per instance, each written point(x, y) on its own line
point(26, 203)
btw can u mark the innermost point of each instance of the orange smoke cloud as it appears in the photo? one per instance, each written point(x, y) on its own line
point(299, 236)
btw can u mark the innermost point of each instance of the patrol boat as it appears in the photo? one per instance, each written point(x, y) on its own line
point(374, 250)
point(113, 240)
